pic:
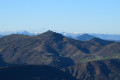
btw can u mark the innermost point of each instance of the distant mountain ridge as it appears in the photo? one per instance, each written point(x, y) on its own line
point(84, 37)
point(102, 36)
point(108, 36)
point(73, 35)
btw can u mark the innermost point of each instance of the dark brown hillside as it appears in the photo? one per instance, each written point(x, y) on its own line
point(99, 41)
point(96, 70)
point(46, 49)
point(111, 49)
point(78, 58)
point(96, 44)
point(49, 48)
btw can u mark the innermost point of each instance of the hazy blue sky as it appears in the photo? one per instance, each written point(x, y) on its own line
point(90, 16)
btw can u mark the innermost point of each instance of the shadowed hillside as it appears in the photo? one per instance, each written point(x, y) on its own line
point(84, 37)
point(96, 70)
point(33, 73)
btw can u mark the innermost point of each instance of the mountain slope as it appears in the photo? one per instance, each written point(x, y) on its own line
point(22, 49)
point(78, 58)
point(96, 70)
point(84, 37)
point(111, 49)
point(49, 48)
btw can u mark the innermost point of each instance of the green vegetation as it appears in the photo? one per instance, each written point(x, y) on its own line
point(95, 57)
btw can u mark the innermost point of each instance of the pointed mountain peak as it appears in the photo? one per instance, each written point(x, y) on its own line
point(51, 34)
point(49, 31)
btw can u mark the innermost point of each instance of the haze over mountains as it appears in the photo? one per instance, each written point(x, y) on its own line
point(74, 35)
point(77, 59)
point(89, 36)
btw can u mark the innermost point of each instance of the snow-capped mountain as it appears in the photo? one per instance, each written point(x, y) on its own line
point(28, 33)
point(71, 34)
point(19, 32)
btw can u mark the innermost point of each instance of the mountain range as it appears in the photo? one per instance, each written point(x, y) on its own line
point(92, 59)
point(73, 35)
point(83, 36)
